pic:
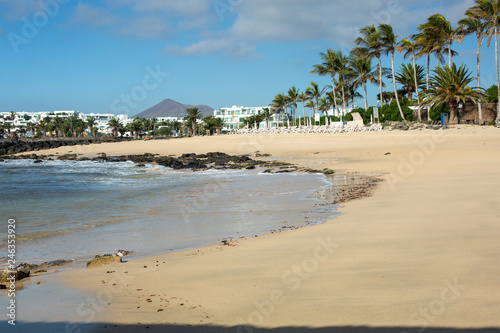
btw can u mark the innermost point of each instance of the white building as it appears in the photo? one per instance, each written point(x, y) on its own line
point(235, 115)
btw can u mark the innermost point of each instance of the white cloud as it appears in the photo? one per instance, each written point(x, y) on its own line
point(339, 21)
point(186, 8)
point(142, 26)
point(15, 10)
point(227, 46)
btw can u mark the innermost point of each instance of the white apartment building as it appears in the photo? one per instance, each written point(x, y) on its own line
point(235, 115)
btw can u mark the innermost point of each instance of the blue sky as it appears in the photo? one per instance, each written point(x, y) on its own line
point(124, 56)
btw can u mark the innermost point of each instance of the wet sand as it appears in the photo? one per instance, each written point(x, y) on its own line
point(421, 252)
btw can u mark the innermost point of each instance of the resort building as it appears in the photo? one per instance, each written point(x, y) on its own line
point(234, 117)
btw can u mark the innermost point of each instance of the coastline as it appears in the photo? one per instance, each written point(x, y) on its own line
point(377, 265)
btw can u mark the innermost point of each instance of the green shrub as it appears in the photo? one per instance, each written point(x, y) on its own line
point(492, 94)
point(390, 112)
point(436, 111)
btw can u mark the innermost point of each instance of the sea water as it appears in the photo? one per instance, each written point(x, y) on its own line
point(77, 209)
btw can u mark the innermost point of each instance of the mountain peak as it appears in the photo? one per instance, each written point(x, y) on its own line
point(170, 108)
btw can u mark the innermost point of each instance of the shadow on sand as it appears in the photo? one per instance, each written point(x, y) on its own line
point(98, 328)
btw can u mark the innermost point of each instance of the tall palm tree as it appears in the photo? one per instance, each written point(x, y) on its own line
point(473, 25)
point(409, 48)
point(136, 127)
point(193, 115)
point(293, 98)
point(279, 103)
point(389, 41)
point(115, 125)
point(315, 93)
point(91, 124)
point(411, 78)
point(267, 115)
point(304, 98)
point(58, 123)
point(329, 66)
point(489, 11)
point(449, 85)
point(370, 46)
point(440, 27)
point(362, 72)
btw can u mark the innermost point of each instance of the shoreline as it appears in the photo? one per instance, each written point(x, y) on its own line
point(376, 265)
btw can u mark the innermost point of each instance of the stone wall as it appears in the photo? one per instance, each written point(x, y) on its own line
point(470, 113)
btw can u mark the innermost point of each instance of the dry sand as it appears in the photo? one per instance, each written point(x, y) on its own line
point(423, 251)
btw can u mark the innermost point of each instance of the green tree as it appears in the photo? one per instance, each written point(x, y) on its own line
point(329, 66)
point(362, 72)
point(449, 85)
point(389, 42)
point(267, 115)
point(193, 115)
point(406, 77)
point(438, 26)
point(136, 127)
point(369, 45)
point(489, 12)
point(315, 93)
point(410, 48)
point(492, 94)
point(114, 124)
point(91, 124)
point(473, 25)
point(293, 98)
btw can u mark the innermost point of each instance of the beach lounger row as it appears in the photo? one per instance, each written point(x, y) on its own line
point(312, 129)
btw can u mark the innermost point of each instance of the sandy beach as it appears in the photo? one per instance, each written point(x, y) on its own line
point(423, 252)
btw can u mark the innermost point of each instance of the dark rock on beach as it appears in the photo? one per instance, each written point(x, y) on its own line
point(18, 274)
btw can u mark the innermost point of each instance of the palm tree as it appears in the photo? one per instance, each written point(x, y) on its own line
point(135, 127)
point(193, 114)
point(315, 93)
point(489, 11)
point(279, 103)
point(91, 124)
point(329, 66)
point(449, 85)
point(411, 78)
point(361, 72)
point(438, 26)
point(409, 47)
point(389, 41)
point(370, 46)
point(58, 123)
point(473, 25)
point(267, 114)
point(304, 98)
point(293, 98)
point(115, 125)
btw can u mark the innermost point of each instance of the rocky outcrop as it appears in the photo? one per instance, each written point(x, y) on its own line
point(104, 260)
point(18, 274)
point(13, 147)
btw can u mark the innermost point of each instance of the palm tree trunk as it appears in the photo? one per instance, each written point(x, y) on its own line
point(498, 73)
point(428, 74)
point(479, 106)
point(343, 96)
point(334, 93)
point(366, 100)
point(381, 83)
point(304, 111)
point(453, 113)
point(416, 87)
point(395, 89)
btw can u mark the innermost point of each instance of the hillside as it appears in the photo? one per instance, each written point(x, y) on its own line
point(171, 108)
